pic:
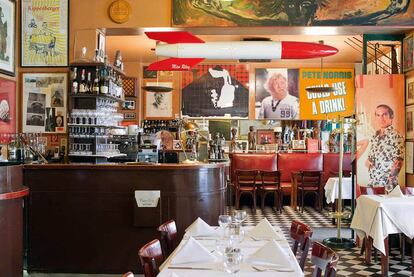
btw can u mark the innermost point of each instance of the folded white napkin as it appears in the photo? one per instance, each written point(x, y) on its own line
point(199, 228)
point(264, 230)
point(173, 275)
point(192, 252)
point(396, 192)
point(270, 254)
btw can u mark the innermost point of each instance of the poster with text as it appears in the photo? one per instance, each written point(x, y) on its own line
point(322, 106)
point(380, 130)
point(7, 106)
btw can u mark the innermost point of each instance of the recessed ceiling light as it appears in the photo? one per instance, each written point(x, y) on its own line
point(321, 31)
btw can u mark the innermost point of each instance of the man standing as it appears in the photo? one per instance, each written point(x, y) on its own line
point(280, 104)
point(386, 155)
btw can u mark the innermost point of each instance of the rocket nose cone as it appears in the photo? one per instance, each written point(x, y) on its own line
point(327, 50)
point(306, 50)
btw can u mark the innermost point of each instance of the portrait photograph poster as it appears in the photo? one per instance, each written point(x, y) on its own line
point(409, 159)
point(44, 102)
point(409, 119)
point(371, 91)
point(7, 106)
point(409, 91)
point(408, 53)
point(44, 33)
point(7, 37)
point(158, 105)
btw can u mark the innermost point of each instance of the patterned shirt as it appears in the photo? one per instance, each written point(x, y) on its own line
point(385, 150)
point(287, 108)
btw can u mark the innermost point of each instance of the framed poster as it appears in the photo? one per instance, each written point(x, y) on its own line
point(148, 74)
point(7, 36)
point(409, 91)
point(158, 105)
point(128, 105)
point(44, 33)
point(409, 116)
point(7, 106)
point(265, 136)
point(44, 102)
point(409, 160)
point(129, 116)
point(408, 53)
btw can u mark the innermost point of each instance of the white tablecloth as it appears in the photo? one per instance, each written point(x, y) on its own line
point(247, 247)
point(378, 216)
point(331, 189)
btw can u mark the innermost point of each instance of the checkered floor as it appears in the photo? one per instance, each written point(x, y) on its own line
point(351, 263)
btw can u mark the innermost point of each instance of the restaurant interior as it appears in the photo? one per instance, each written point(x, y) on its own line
point(180, 138)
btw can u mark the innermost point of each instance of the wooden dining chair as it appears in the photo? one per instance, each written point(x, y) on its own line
point(271, 184)
point(151, 258)
point(324, 259)
point(168, 232)
point(128, 274)
point(246, 184)
point(310, 183)
point(301, 234)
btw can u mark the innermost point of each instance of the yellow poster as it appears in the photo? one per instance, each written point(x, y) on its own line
point(319, 106)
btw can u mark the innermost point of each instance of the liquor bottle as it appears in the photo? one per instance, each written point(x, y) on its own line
point(104, 86)
point(88, 87)
point(74, 81)
point(95, 86)
point(82, 85)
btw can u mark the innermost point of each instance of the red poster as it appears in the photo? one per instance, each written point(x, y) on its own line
point(7, 106)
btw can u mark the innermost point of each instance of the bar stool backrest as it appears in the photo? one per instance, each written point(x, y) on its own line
point(151, 257)
point(246, 178)
point(372, 190)
point(324, 259)
point(168, 231)
point(301, 234)
point(270, 178)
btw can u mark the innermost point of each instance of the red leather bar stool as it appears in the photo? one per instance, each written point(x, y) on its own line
point(301, 234)
point(324, 259)
point(246, 184)
point(168, 231)
point(151, 258)
point(271, 184)
point(310, 183)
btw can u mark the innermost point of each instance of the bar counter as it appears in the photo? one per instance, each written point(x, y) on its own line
point(84, 218)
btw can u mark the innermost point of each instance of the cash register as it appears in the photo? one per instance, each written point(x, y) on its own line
point(147, 152)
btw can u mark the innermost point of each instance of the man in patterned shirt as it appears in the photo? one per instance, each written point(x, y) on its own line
point(280, 104)
point(386, 156)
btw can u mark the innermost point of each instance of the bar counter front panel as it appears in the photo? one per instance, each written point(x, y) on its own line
point(84, 218)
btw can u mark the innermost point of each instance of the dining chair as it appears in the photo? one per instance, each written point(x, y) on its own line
point(301, 234)
point(246, 184)
point(310, 183)
point(151, 257)
point(324, 259)
point(271, 184)
point(168, 231)
point(128, 274)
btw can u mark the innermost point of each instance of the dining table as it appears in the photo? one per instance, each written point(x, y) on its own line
point(378, 216)
point(247, 246)
point(331, 189)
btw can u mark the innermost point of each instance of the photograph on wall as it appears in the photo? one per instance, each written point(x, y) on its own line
point(380, 150)
point(7, 106)
point(409, 91)
point(408, 55)
point(158, 105)
point(44, 102)
point(409, 120)
point(317, 106)
point(195, 13)
point(409, 157)
point(277, 93)
point(44, 33)
point(7, 36)
point(216, 90)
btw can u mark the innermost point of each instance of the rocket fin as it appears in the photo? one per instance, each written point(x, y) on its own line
point(175, 64)
point(174, 37)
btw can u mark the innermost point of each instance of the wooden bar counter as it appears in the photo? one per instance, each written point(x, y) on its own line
point(84, 218)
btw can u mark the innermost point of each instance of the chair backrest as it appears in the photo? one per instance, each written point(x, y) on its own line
point(168, 231)
point(151, 258)
point(310, 178)
point(301, 234)
point(295, 162)
point(270, 178)
point(128, 274)
point(246, 178)
point(324, 259)
point(258, 161)
point(408, 190)
point(372, 190)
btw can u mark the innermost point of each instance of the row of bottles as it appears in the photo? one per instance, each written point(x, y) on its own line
point(153, 126)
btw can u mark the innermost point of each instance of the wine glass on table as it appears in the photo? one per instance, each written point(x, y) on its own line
point(239, 216)
point(224, 221)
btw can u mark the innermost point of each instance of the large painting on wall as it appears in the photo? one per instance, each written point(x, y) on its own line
point(44, 33)
point(7, 106)
point(7, 36)
point(190, 13)
point(216, 90)
point(381, 130)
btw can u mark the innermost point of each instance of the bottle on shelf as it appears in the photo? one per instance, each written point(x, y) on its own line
point(88, 87)
point(75, 83)
point(95, 86)
point(104, 86)
point(82, 85)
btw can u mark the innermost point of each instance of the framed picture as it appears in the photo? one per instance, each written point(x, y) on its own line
point(158, 105)
point(44, 33)
point(130, 116)
point(128, 105)
point(148, 74)
point(101, 45)
point(177, 145)
point(408, 53)
point(7, 36)
point(7, 106)
point(409, 96)
point(409, 121)
point(409, 159)
point(129, 85)
point(265, 136)
point(44, 102)
point(242, 146)
point(298, 144)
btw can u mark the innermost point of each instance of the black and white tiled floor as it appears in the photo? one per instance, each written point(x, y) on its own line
point(351, 263)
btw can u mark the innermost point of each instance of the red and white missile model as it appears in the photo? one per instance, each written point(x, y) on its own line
point(186, 50)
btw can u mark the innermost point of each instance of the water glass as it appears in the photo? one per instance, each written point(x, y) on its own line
point(224, 221)
point(232, 260)
point(239, 216)
point(236, 233)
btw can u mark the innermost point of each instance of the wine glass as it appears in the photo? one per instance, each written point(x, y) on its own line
point(224, 221)
point(239, 216)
